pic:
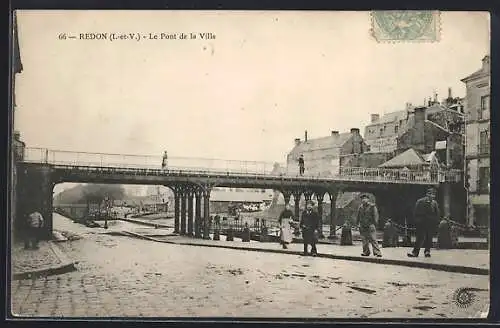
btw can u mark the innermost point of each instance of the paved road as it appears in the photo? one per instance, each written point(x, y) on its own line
point(121, 276)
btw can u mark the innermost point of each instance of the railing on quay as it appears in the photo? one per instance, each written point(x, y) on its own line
point(153, 165)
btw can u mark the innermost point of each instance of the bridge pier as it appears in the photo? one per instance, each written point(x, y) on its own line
point(296, 199)
point(206, 212)
point(183, 212)
point(446, 200)
point(286, 195)
point(177, 200)
point(197, 216)
point(320, 195)
point(35, 193)
point(190, 196)
point(333, 213)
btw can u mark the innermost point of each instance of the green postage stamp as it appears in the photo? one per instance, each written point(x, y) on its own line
point(406, 25)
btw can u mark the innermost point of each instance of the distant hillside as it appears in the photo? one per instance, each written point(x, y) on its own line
point(80, 193)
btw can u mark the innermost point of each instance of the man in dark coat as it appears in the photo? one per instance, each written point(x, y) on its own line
point(426, 215)
point(367, 219)
point(301, 165)
point(309, 224)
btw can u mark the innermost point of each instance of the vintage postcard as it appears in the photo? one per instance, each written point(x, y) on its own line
point(246, 164)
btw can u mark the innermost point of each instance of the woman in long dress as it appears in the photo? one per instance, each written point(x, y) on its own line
point(286, 230)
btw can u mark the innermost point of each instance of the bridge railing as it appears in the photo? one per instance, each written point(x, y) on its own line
point(204, 165)
point(40, 155)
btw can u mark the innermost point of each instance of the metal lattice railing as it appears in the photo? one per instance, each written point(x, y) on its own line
point(153, 165)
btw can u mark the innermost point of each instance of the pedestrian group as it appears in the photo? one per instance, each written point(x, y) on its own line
point(426, 217)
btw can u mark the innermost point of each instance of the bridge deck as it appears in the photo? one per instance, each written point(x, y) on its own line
point(150, 166)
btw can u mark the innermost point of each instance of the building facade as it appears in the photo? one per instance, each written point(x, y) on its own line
point(322, 155)
point(477, 148)
point(438, 126)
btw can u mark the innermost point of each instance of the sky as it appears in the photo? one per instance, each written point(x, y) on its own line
point(245, 95)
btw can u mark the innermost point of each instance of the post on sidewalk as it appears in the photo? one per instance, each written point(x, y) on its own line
point(346, 237)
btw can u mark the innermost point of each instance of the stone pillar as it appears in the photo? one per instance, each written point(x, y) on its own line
point(35, 193)
point(333, 214)
point(177, 200)
point(319, 196)
point(206, 214)
point(197, 216)
point(190, 196)
point(446, 200)
point(183, 212)
point(286, 195)
point(296, 199)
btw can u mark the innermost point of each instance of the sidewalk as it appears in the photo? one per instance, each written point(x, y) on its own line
point(463, 242)
point(47, 260)
point(455, 260)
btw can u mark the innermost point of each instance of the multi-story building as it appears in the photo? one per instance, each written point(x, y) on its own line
point(322, 155)
point(477, 148)
point(438, 126)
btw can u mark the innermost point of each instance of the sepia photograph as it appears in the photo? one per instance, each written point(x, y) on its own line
point(249, 164)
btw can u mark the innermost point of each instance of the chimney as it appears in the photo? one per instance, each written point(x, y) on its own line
point(297, 141)
point(419, 126)
point(375, 117)
point(305, 136)
point(355, 131)
point(449, 94)
point(486, 63)
point(335, 133)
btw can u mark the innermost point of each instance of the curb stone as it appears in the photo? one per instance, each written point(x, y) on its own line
point(412, 264)
point(66, 266)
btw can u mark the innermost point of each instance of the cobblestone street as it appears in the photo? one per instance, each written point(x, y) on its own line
point(121, 276)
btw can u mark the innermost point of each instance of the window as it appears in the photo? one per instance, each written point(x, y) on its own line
point(484, 112)
point(484, 180)
point(396, 129)
point(484, 142)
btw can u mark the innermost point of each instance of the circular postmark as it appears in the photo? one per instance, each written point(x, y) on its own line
point(463, 297)
point(404, 24)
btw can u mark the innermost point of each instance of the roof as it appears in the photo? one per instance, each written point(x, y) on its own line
point(322, 143)
point(391, 117)
point(479, 73)
point(406, 159)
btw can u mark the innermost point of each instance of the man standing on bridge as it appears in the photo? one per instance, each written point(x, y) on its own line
point(301, 165)
point(164, 160)
point(426, 215)
point(309, 224)
point(367, 219)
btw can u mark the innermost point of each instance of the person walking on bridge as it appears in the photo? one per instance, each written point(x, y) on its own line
point(301, 165)
point(164, 160)
point(367, 219)
point(426, 215)
point(310, 224)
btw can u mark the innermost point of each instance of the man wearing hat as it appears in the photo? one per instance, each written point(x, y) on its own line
point(309, 224)
point(426, 215)
point(367, 220)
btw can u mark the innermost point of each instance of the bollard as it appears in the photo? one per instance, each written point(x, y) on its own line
point(216, 234)
point(444, 235)
point(230, 234)
point(346, 237)
point(390, 238)
point(454, 237)
point(263, 235)
point(246, 235)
